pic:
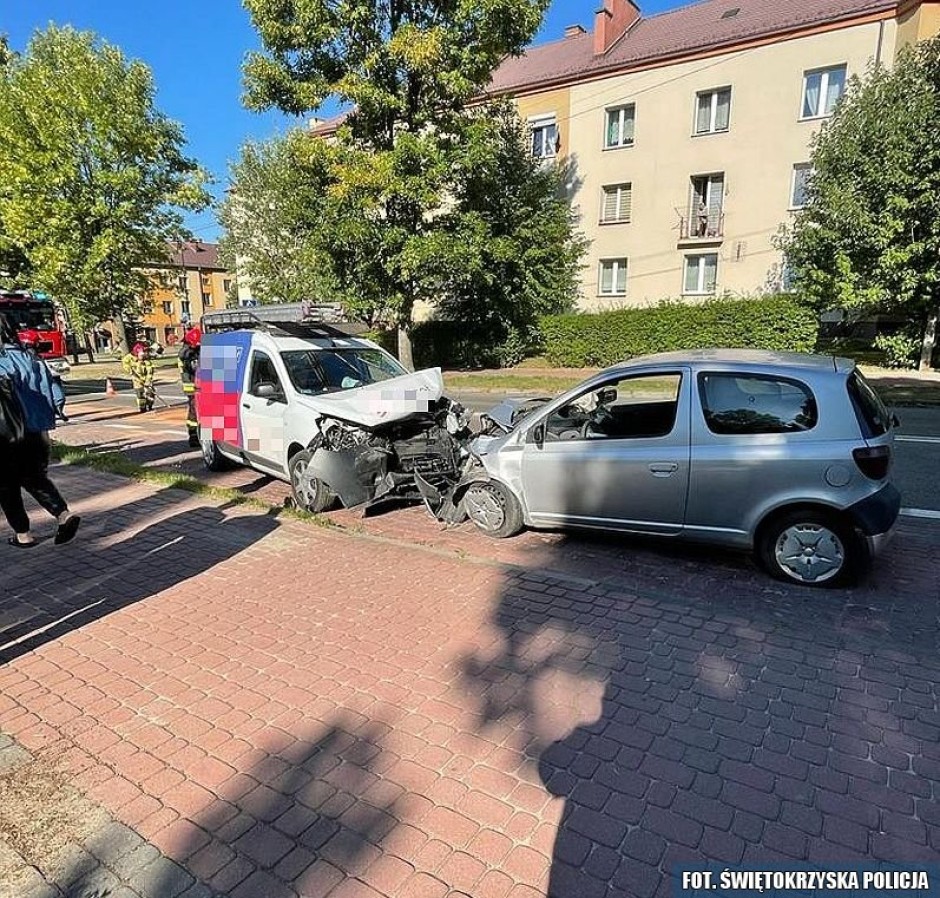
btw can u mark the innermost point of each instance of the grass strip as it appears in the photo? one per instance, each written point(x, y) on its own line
point(115, 463)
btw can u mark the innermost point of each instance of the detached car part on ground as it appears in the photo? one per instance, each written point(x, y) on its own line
point(336, 416)
point(785, 455)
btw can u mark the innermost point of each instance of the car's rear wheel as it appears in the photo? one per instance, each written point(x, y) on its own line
point(493, 509)
point(310, 494)
point(212, 458)
point(812, 548)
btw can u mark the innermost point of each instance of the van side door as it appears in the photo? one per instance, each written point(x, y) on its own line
point(264, 406)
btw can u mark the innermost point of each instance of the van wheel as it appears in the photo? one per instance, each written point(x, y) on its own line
point(493, 509)
point(212, 458)
point(310, 494)
point(812, 548)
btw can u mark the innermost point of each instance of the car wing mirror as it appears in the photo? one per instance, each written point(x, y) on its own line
point(895, 422)
point(607, 396)
point(537, 435)
point(269, 391)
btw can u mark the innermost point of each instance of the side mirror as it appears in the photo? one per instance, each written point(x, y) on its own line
point(537, 435)
point(269, 392)
point(607, 395)
point(895, 422)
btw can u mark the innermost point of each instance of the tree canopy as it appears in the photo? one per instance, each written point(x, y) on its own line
point(409, 71)
point(869, 237)
point(92, 175)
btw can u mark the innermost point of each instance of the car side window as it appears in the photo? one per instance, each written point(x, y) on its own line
point(628, 408)
point(756, 403)
point(262, 372)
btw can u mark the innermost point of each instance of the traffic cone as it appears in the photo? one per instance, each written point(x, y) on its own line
point(109, 388)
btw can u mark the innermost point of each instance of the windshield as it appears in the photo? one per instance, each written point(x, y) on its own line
point(328, 370)
point(30, 319)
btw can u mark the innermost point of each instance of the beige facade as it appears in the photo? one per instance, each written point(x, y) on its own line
point(676, 213)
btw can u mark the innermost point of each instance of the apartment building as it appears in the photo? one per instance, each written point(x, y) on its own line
point(192, 281)
point(688, 133)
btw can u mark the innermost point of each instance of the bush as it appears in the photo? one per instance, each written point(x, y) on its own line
point(778, 322)
point(451, 344)
point(901, 350)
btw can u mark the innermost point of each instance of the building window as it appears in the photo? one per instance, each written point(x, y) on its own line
point(822, 89)
point(226, 285)
point(168, 308)
point(801, 176)
point(613, 277)
point(544, 133)
point(619, 130)
point(184, 307)
point(713, 111)
point(618, 199)
point(206, 299)
point(701, 272)
point(706, 206)
point(181, 282)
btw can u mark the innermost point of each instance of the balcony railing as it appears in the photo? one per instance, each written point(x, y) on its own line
point(695, 228)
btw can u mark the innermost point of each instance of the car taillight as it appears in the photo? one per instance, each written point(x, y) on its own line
point(873, 461)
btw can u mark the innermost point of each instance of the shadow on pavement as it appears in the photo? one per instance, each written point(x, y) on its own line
point(49, 591)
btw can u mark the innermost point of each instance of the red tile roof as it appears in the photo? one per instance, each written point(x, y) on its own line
point(686, 30)
point(195, 254)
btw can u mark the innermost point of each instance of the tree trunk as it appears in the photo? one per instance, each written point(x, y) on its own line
point(404, 348)
point(88, 349)
point(120, 335)
point(930, 339)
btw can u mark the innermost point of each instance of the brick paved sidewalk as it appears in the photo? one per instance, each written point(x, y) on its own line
point(278, 709)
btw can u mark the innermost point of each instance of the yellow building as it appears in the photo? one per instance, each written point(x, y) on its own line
point(688, 133)
point(191, 283)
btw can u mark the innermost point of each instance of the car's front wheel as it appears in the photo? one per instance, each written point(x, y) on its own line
point(493, 509)
point(310, 494)
point(812, 548)
point(212, 458)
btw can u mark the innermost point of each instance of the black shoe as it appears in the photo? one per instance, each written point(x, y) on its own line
point(13, 541)
point(65, 533)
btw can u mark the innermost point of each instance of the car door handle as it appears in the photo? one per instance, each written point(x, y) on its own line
point(246, 405)
point(664, 469)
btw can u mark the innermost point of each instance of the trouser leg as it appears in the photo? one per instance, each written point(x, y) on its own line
point(35, 476)
point(11, 502)
point(192, 422)
point(149, 395)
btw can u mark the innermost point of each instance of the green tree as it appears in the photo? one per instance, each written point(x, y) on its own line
point(92, 176)
point(869, 237)
point(408, 69)
point(272, 219)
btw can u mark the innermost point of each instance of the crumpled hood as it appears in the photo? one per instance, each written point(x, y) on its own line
point(381, 403)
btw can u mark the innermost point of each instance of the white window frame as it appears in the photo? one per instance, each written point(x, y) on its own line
point(621, 188)
point(700, 260)
point(713, 114)
point(541, 123)
point(620, 108)
point(617, 263)
point(823, 90)
point(798, 167)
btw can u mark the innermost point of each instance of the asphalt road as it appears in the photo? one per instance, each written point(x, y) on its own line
point(917, 448)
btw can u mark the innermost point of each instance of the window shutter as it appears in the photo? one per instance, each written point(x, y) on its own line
point(618, 200)
point(610, 204)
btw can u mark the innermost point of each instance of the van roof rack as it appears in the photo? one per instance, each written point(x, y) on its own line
point(305, 320)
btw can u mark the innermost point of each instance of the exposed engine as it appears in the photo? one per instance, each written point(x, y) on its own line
point(379, 465)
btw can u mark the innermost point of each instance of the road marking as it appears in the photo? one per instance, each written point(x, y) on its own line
point(119, 426)
point(39, 631)
point(172, 433)
point(921, 513)
point(917, 439)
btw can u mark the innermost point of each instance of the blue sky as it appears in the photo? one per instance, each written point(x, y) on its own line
point(195, 49)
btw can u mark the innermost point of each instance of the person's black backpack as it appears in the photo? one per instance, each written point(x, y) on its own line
point(12, 416)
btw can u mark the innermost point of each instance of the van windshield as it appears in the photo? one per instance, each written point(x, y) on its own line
point(329, 370)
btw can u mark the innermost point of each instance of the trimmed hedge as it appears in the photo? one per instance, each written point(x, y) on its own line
point(779, 322)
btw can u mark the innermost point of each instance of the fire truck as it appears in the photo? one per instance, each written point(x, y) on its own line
point(35, 314)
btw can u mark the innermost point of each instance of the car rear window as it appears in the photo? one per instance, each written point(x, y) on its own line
point(756, 403)
point(873, 417)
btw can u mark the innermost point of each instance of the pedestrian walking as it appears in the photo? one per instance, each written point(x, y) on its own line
point(26, 388)
point(188, 364)
point(137, 363)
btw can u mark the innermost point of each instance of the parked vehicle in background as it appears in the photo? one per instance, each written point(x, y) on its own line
point(787, 455)
point(36, 314)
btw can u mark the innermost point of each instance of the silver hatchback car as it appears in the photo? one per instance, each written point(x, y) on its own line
point(784, 454)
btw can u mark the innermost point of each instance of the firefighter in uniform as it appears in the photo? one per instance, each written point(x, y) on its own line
point(188, 364)
point(137, 363)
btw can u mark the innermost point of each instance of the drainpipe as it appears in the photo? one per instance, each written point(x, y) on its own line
point(881, 35)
